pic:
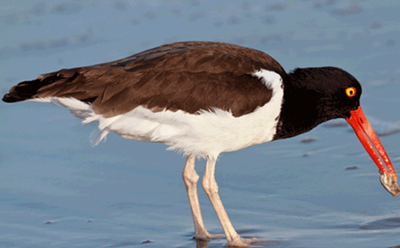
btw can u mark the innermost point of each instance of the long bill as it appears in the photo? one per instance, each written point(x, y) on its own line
point(369, 140)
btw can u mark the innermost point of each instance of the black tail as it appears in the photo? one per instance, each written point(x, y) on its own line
point(27, 89)
point(31, 89)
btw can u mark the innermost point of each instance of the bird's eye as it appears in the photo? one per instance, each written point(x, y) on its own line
point(351, 91)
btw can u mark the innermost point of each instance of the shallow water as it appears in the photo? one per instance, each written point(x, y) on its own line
point(57, 191)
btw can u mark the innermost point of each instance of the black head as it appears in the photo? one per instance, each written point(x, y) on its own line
point(316, 95)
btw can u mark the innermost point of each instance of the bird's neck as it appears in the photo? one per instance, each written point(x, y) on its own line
point(302, 108)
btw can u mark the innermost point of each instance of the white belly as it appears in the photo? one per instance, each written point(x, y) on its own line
point(205, 134)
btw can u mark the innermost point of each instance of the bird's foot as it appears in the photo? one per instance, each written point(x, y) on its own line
point(245, 242)
point(207, 236)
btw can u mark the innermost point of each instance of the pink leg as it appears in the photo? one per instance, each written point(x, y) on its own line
point(191, 178)
point(211, 188)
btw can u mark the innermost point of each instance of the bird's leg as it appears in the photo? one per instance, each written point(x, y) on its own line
point(211, 188)
point(190, 178)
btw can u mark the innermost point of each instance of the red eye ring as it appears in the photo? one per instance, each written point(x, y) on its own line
point(351, 91)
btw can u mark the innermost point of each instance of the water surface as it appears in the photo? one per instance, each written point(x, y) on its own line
point(58, 191)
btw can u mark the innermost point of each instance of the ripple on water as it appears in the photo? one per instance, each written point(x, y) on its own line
point(388, 223)
point(243, 233)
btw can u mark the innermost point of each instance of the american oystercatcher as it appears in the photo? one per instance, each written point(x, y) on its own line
point(205, 98)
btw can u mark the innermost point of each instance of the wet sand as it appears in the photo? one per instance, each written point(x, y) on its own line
point(319, 189)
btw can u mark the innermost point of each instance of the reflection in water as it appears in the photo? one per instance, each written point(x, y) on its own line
point(247, 234)
point(201, 243)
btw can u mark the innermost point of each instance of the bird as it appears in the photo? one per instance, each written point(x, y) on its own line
point(202, 99)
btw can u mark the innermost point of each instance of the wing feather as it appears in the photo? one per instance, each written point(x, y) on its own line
point(190, 76)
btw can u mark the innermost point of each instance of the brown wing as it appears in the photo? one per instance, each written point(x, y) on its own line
point(190, 76)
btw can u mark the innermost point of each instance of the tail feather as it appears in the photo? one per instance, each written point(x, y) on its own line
point(27, 89)
point(62, 83)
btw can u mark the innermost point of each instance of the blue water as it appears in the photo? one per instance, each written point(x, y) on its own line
point(58, 191)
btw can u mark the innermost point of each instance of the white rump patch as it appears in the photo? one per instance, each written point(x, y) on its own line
point(77, 108)
point(205, 134)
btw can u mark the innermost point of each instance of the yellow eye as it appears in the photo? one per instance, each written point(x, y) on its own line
point(351, 91)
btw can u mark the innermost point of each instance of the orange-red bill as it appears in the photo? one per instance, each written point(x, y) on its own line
point(369, 140)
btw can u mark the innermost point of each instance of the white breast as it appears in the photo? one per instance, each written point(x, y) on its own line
point(205, 134)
